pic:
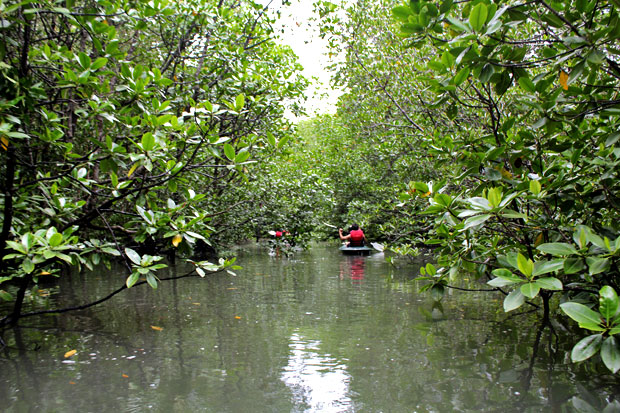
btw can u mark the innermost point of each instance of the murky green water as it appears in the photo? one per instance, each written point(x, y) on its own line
point(318, 332)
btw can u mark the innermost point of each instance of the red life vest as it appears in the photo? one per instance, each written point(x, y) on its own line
point(357, 238)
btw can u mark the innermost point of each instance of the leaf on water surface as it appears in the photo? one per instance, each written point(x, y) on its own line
point(70, 353)
point(237, 317)
point(157, 328)
point(124, 376)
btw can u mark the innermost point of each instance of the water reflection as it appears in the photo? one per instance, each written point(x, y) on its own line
point(318, 382)
point(353, 268)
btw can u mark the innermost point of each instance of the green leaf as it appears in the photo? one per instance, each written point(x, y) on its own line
point(513, 300)
point(527, 84)
point(549, 283)
point(608, 302)
point(132, 279)
point(271, 139)
point(402, 13)
point(458, 25)
point(573, 265)
point(503, 282)
point(494, 196)
point(239, 102)
point(421, 186)
point(27, 266)
point(283, 141)
point(526, 265)
point(5, 296)
point(580, 313)
point(148, 141)
point(480, 203)
point(530, 290)
point(557, 249)
point(133, 256)
point(443, 199)
point(55, 240)
point(586, 348)
point(242, 156)
point(544, 267)
point(99, 63)
point(461, 76)
point(504, 278)
point(430, 269)
point(151, 280)
point(478, 16)
point(475, 221)
point(229, 151)
point(487, 71)
point(84, 60)
point(610, 354)
point(597, 265)
point(535, 187)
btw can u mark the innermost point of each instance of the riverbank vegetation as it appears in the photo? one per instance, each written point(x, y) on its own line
point(487, 131)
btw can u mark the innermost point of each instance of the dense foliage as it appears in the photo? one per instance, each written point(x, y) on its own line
point(485, 130)
point(126, 128)
point(506, 116)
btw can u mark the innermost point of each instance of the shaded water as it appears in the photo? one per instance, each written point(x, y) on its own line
point(318, 332)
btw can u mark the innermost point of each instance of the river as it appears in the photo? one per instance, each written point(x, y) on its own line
point(315, 332)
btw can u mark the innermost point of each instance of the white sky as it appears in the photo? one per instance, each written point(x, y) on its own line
point(303, 37)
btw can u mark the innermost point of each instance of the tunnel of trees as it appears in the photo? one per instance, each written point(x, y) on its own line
point(483, 131)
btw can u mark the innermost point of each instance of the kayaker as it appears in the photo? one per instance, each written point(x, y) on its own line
point(355, 237)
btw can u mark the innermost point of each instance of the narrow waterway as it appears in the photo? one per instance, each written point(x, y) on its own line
point(316, 332)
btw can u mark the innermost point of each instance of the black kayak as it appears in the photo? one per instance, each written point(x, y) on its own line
point(355, 250)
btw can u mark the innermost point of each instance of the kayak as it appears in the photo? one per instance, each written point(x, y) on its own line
point(355, 250)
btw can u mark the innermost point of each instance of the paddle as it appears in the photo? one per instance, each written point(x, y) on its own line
point(377, 246)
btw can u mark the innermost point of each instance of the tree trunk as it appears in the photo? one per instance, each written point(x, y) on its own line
point(8, 200)
point(19, 300)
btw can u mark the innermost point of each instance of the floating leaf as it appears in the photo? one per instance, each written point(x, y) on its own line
point(176, 240)
point(157, 328)
point(70, 353)
point(237, 317)
point(124, 376)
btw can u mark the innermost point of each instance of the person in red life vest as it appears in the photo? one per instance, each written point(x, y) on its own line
point(356, 236)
